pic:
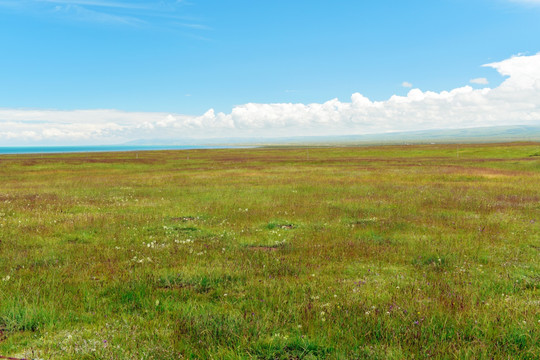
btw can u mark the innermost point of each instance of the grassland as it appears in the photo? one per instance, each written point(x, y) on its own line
point(332, 253)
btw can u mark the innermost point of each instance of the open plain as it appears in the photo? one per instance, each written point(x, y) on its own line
point(390, 252)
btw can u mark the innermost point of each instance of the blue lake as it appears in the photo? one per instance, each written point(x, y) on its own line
point(102, 148)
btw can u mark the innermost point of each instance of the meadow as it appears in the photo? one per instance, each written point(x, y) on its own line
point(381, 252)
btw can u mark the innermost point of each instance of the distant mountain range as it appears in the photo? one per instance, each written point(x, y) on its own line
point(471, 135)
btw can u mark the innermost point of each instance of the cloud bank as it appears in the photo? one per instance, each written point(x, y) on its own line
point(515, 102)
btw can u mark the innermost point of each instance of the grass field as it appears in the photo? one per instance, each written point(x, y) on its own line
point(391, 252)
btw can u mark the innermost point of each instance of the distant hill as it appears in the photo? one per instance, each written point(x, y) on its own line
point(471, 135)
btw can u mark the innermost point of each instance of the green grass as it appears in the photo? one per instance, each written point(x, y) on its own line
point(390, 252)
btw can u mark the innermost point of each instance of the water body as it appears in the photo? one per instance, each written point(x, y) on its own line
point(101, 148)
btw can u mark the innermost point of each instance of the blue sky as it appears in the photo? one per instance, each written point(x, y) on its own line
point(186, 57)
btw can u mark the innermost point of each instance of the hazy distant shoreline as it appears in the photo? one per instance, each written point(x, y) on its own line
point(496, 134)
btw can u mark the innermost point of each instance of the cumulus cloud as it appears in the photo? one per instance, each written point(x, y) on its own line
point(406, 84)
point(479, 81)
point(515, 102)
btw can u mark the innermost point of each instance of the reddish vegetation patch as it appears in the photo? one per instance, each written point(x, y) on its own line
point(45, 198)
point(489, 172)
point(479, 171)
point(10, 358)
point(263, 248)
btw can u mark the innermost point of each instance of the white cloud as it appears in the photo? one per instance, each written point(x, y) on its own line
point(479, 81)
point(515, 101)
point(406, 84)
